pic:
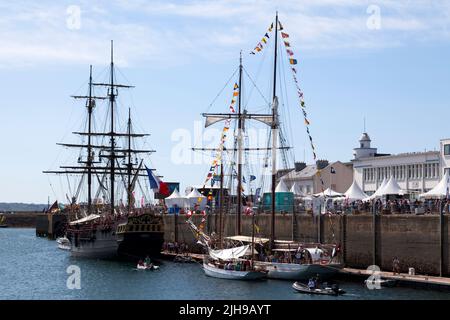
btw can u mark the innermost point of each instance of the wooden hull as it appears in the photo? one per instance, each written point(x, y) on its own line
point(293, 271)
point(132, 239)
point(215, 272)
point(140, 244)
point(104, 246)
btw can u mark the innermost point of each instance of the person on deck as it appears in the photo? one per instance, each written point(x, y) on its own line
point(147, 261)
point(396, 266)
point(311, 284)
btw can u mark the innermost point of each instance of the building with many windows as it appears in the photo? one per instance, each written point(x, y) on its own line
point(415, 172)
point(336, 175)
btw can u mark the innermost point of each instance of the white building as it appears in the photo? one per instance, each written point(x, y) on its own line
point(337, 176)
point(415, 172)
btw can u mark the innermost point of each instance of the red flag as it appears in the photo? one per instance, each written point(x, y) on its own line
point(284, 35)
point(164, 189)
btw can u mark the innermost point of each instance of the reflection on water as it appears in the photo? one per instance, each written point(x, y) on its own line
point(33, 268)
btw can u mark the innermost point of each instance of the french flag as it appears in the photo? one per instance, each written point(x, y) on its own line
point(157, 184)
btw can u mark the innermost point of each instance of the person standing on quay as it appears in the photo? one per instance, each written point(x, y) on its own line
point(396, 266)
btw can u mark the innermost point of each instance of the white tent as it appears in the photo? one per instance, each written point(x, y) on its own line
point(355, 192)
point(281, 187)
point(329, 193)
point(391, 187)
point(295, 189)
point(175, 199)
point(440, 191)
point(194, 198)
point(378, 191)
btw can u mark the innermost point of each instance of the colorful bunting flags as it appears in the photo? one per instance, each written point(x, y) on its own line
point(264, 40)
point(226, 127)
point(292, 61)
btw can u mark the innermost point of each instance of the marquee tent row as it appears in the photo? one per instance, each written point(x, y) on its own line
point(192, 200)
point(389, 187)
point(355, 193)
point(440, 191)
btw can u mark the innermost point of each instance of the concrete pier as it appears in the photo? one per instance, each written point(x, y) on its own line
point(404, 280)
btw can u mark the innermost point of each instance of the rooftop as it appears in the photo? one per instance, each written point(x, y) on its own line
point(400, 155)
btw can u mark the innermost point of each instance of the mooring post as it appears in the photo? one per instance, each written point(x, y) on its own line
point(175, 221)
point(319, 226)
point(441, 240)
point(343, 237)
point(374, 232)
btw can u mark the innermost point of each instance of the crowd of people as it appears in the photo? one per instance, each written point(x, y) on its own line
point(238, 266)
point(393, 206)
point(175, 247)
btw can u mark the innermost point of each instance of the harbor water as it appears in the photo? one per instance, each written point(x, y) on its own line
point(33, 268)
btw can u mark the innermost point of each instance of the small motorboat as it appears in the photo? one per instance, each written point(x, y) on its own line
point(3, 222)
point(63, 243)
point(145, 266)
point(334, 290)
point(384, 283)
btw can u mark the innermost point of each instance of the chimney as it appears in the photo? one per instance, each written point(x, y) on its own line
point(299, 166)
point(321, 164)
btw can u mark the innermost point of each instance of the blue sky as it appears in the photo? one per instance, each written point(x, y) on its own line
point(180, 54)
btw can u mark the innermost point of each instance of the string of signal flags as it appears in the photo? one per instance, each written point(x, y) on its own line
point(293, 62)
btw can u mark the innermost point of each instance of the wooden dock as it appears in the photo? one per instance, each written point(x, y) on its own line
point(404, 279)
point(195, 256)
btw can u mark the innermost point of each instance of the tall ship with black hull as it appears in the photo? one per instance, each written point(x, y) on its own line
point(104, 219)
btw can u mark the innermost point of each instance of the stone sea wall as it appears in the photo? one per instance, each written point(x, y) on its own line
point(415, 240)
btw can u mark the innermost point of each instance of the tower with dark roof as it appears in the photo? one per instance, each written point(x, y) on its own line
point(364, 150)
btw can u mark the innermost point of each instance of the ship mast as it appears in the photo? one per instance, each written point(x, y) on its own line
point(240, 127)
point(111, 151)
point(89, 148)
point(241, 116)
point(274, 129)
point(112, 98)
point(129, 165)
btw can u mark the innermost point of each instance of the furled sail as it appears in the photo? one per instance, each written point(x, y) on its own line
point(230, 254)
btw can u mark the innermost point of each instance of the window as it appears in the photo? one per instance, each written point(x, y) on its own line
point(447, 150)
